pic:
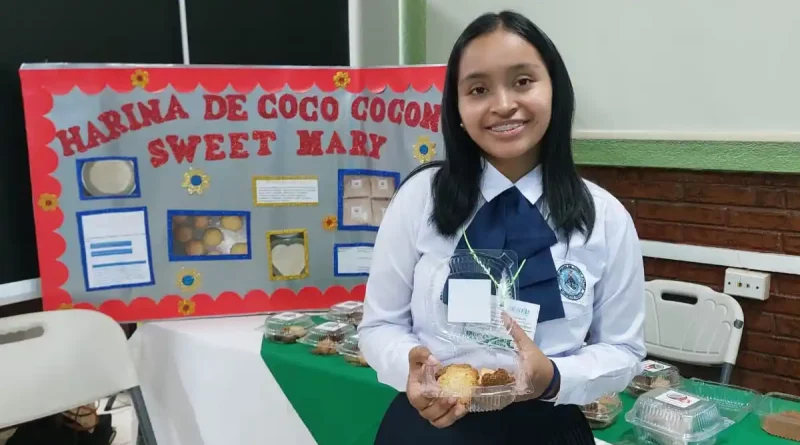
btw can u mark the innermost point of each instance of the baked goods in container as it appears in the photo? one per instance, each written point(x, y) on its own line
point(654, 375)
point(459, 380)
point(351, 351)
point(603, 412)
point(346, 312)
point(780, 415)
point(327, 336)
point(287, 327)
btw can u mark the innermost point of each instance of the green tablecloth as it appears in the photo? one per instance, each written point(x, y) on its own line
point(328, 392)
point(746, 432)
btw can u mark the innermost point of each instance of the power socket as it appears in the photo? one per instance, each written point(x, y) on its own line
point(747, 283)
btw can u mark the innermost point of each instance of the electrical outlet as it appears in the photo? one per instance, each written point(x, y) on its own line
point(747, 284)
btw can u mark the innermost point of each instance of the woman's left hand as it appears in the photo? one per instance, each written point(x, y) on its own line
point(536, 368)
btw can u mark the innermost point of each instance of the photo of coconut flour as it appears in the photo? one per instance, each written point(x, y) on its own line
point(221, 235)
point(288, 254)
point(108, 178)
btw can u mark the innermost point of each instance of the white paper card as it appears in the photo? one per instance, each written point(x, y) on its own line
point(678, 399)
point(353, 259)
point(287, 316)
point(287, 191)
point(331, 326)
point(525, 314)
point(652, 366)
point(469, 301)
point(116, 250)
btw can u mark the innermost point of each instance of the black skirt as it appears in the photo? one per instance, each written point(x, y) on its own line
point(524, 423)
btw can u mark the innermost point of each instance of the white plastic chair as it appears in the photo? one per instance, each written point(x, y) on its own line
point(51, 362)
point(707, 332)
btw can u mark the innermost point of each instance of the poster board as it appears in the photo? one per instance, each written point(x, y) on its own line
point(164, 192)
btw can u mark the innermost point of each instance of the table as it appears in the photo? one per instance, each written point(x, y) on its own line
point(747, 432)
point(204, 383)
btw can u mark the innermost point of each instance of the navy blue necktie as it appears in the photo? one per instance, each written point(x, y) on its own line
point(511, 222)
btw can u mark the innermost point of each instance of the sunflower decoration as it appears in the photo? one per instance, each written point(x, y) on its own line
point(424, 149)
point(186, 307)
point(140, 78)
point(341, 79)
point(330, 222)
point(195, 181)
point(48, 202)
point(188, 279)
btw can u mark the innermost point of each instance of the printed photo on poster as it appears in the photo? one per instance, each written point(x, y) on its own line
point(115, 248)
point(352, 260)
point(273, 191)
point(364, 196)
point(111, 177)
point(287, 251)
point(207, 235)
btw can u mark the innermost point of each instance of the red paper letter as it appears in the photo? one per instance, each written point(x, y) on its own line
point(158, 155)
point(310, 143)
point(359, 147)
point(221, 107)
point(70, 139)
point(183, 149)
point(213, 152)
point(263, 138)
point(237, 147)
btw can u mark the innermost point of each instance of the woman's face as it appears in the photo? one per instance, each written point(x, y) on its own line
point(504, 95)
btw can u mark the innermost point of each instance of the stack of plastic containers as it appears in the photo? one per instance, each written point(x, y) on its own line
point(603, 412)
point(666, 416)
point(468, 296)
point(346, 312)
point(732, 401)
point(327, 336)
point(287, 327)
point(351, 352)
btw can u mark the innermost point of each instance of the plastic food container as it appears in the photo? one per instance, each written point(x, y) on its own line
point(655, 375)
point(603, 412)
point(780, 415)
point(732, 401)
point(326, 336)
point(666, 416)
point(347, 312)
point(350, 351)
point(479, 364)
point(287, 327)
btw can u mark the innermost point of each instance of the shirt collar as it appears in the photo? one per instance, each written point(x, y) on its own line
point(494, 183)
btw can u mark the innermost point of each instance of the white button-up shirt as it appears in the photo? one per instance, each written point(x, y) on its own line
point(597, 347)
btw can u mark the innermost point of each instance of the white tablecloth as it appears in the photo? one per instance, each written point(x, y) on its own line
point(204, 383)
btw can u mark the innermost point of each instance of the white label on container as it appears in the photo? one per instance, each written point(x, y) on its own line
point(331, 326)
point(349, 305)
point(287, 316)
point(469, 301)
point(525, 314)
point(652, 366)
point(678, 399)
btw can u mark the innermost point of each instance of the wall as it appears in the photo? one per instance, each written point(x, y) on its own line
point(753, 212)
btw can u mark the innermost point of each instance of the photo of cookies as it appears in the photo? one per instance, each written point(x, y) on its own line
point(196, 235)
point(382, 187)
point(287, 251)
point(379, 207)
point(356, 187)
point(364, 197)
point(357, 212)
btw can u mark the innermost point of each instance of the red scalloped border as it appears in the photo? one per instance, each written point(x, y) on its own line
point(40, 84)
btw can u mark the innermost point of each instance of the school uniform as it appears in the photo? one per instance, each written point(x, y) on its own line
point(591, 290)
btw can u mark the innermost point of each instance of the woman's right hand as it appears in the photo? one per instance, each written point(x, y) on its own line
point(441, 412)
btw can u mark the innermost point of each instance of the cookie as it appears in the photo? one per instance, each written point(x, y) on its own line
point(232, 223)
point(212, 237)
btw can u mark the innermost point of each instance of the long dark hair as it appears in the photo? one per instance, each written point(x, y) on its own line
point(456, 185)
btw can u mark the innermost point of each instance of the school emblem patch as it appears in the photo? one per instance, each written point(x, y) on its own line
point(571, 282)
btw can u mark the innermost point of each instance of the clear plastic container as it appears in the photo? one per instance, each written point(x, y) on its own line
point(734, 402)
point(287, 327)
point(351, 352)
point(326, 336)
point(666, 416)
point(780, 415)
point(603, 412)
point(654, 375)
point(346, 312)
point(479, 364)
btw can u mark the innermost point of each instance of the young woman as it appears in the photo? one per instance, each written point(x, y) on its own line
point(509, 182)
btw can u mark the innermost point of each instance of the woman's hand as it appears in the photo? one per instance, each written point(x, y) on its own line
point(536, 368)
point(441, 412)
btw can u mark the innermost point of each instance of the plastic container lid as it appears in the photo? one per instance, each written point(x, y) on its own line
point(346, 312)
point(733, 402)
point(603, 412)
point(287, 327)
point(667, 416)
point(655, 375)
point(351, 352)
point(780, 415)
point(326, 336)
